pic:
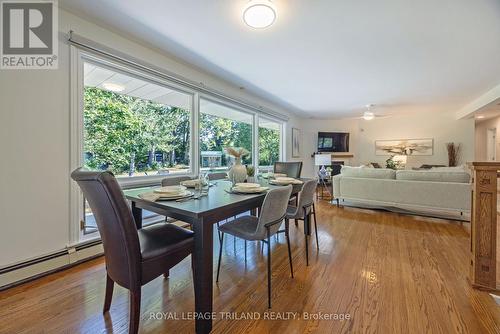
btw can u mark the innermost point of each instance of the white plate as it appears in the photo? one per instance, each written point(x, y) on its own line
point(190, 183)
point(247, 185)
point(284, 179)
point(178, 196)
point(285, 182)
point(170, 190)
point(273, 175)
point(250, 190)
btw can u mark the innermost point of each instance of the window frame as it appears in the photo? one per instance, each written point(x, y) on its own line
point(281, 130)
point(78, 56)
point(235, 107)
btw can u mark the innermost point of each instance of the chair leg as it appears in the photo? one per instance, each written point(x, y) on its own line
point(245, 251)
point(268, 269)
point(109, 294)
point(220, 256)
point(315, 226)
point(166, 274)
point(338, 203)
point(218, 232)
point(288, 244)
point(135, 311)
point(306, 235)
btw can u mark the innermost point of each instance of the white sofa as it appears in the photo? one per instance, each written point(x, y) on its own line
point(441, 193)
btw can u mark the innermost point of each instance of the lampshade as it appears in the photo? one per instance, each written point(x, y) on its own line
point(322, 159)
point(401, 159)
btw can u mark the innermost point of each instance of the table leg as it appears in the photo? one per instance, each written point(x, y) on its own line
point(137, 213)
point(203, 272)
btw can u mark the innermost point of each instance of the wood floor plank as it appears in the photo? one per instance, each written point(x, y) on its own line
point(389, 273)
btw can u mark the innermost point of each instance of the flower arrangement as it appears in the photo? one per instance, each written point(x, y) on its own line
point(453, 153)
point(237, 152)
point(238, 172)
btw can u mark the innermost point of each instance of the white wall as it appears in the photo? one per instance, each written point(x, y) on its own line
point(34, 141)
point(442, 128)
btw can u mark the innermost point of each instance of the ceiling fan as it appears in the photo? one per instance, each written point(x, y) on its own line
point(368, 115)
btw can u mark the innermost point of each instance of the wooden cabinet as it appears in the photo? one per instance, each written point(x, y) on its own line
point(483, 271)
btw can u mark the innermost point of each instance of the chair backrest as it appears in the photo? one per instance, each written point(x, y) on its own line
point(306, 195)
point(217, 176)
point(174, 181)
point(273, 208)
point(291, 169)
point(115, 223)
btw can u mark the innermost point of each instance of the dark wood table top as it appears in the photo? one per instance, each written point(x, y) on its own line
point(202, 214)
point(217, 199)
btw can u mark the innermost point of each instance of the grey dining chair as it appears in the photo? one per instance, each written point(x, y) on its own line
point(304, 210)
point(291, 169)
point(174, 181)
point(217, 176)
point(261, 228)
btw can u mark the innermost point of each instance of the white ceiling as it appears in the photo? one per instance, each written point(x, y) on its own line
point(327, 58)
point(489, 111)
point(96, 76)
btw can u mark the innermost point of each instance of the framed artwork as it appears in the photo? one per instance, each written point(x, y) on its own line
point(296, 143)
point(405, 147)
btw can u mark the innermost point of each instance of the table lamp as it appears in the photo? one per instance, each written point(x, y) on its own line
point(322, 160)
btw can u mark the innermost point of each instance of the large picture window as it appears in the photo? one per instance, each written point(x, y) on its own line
point(145, 126)
point(222, 127)
point(269, 142)
point(134, 127)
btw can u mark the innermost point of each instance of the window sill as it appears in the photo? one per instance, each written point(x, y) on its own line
point(146, 181)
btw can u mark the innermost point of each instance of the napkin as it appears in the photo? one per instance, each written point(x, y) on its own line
point(285, 182)
point(150, 196)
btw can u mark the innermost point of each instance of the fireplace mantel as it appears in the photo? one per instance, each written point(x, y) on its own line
point(342, 155)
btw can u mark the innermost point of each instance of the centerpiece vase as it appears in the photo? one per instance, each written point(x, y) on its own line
point(238, 173)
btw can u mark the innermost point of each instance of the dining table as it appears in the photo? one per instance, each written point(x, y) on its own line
point(202, 213)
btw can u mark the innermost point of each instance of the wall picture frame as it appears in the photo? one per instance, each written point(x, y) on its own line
point(414, 147)
point(296, 143)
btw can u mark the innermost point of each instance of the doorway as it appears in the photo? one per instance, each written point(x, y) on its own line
point(491, 150)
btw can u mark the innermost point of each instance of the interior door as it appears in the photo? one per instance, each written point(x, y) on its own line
point(491, 151)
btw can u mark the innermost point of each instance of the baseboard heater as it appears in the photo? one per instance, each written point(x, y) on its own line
point(26, 271)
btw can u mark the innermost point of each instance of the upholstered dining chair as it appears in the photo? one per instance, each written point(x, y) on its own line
point(133, 257)
point(304, 210)
point(174, 180)
point(254, 228)
point(291, 169)
point(217, 176)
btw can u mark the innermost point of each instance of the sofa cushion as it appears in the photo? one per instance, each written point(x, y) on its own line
point(370, 173)
point(433, 176)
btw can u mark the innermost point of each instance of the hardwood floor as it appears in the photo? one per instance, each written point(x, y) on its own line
point(388, 272)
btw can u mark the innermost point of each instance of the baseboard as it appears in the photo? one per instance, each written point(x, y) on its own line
point(29, 270)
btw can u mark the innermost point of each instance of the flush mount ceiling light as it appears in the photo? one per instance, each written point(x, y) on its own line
point(480, 116)
point(113, 87)
point(259, 13)
point(368, 115)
